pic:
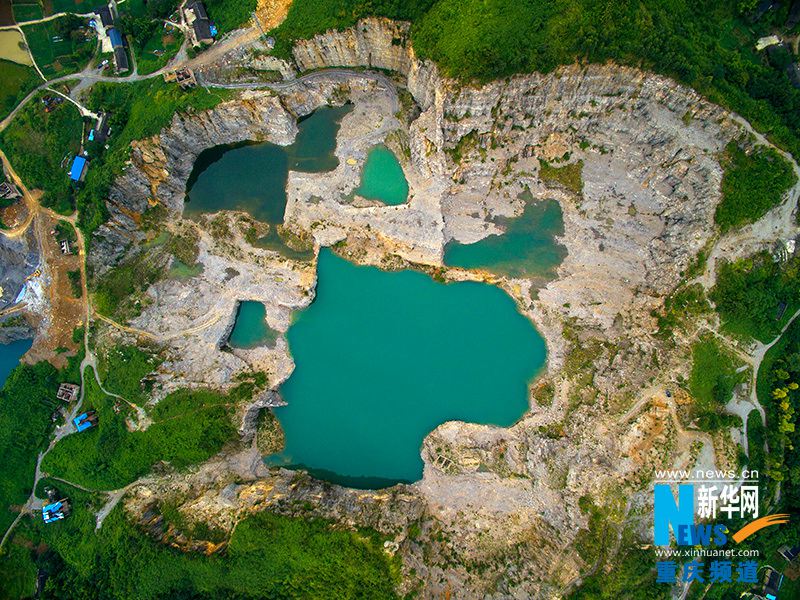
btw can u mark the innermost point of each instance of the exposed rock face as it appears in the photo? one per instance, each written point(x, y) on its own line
point(502, 499)
point(161, 165)
point(379, 43)
point(13, 329)
point(18, 258)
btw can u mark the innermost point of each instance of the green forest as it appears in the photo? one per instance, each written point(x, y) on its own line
point(706, 44)
point(751, 292)
point(26, 402)
point(751, 185)
point(268, 556)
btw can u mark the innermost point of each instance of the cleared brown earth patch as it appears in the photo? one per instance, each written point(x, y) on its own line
point(271, 13)
point(67, 312)
point(13, 216)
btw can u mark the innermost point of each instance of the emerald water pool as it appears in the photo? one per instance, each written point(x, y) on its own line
point(527, 248)
point(9, 357)
point(383, 358)
point(250, 329)
point(252, 176)
point(382, 178)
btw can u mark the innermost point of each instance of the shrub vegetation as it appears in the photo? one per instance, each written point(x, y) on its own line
point(711, 383)
point(269, 556)
point(751, 185)
point(189, 426)
point(228, 15)
point(570, 177)
point(41, 145)
point(749, 293)
point(779, 392)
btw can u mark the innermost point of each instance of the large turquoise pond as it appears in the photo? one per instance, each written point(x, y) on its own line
point(382, 177)
point(383, 358)
point(252, 176)
point(9, 357)
point(526, 249)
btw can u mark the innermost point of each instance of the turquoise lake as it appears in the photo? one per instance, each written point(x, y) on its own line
point(527, 249)
point(252, 176)
point(9, 357)
point(250, 329)
point(383, 358)
point(382, 178)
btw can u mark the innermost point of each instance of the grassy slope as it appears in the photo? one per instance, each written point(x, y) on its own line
point(17, 80)
point(37, 142)
point(227, 15)
point(711, 383)
point(122, 370)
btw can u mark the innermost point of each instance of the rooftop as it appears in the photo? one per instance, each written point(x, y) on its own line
point(78, 169)
point(202, 29)
point(199, 10)
point(121, 59)
point(106, 18)
point(116, 37)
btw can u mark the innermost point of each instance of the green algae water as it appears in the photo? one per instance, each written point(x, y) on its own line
point(527, 248)
point(9, 357)
point(250, 329)
point(382, 178)
point(383, 358)
point(252, 176)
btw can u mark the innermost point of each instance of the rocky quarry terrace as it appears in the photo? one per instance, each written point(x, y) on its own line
point(599, 423)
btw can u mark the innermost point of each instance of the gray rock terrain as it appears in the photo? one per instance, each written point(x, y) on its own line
point(19, 257)
point(646, 150)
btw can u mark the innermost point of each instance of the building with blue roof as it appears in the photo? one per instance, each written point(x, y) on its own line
point(84, 421)
point(78, 169)
point(116, 37)
point(55, 511)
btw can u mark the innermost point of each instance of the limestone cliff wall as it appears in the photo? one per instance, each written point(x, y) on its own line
point(375, 42)
point(160, 166)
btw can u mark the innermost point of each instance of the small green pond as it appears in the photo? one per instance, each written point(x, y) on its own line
point(527, 249)
point(383, 358)
point(251, 176)
point(250, 329)
point(382, 178)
